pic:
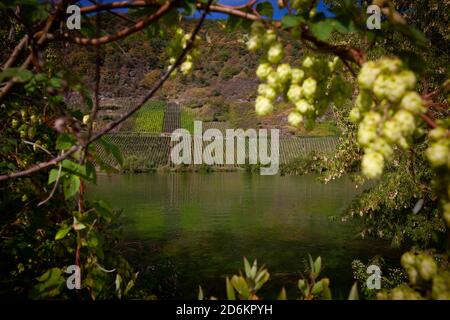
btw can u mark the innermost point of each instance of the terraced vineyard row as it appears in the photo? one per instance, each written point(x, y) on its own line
point(187, 119)
point(149, 119)
point(146, 150)
point(172, 118)
point(152, 151)
point(297, 147)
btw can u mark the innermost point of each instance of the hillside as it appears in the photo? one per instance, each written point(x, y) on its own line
point(222, 87)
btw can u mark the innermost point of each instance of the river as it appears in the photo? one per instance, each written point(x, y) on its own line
point(182, 230)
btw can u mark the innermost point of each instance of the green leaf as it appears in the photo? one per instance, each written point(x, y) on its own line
point(290, 21)
point(77, 169)
point(19, 74)
point(247, 268)
point(230, 291)
point(104, 166)
point(323, 29)
point(71, 185)
point(354, 292)
point(118, 283)
point(412, 60)
point(317, 288)
point(65, 141)
point(265, 9)
point(282, 295)
point(40, 77)
point(311, 263)
point(103, 209)
point(233, 23)
point(55, 83)
point(201, 296)
point(62, 232)
point(254, 269)
point(415, 35)
point(318, 265)
point(73, 167)
point(77, 226)
point(302, 285)
point(93, 240)
point(130, 284)
point(53, 175)
point(50, 285)
point(189, 7)
point(91, 172)
point(112, 149)
point(326, 293)
point(241, 286)
point(262, 278)
point(50, 274)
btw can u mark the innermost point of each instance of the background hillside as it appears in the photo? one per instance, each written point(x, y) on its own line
point(222, 87)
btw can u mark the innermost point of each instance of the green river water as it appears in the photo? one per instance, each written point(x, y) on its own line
point(182, 230)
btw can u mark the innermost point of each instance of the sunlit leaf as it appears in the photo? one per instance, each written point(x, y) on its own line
point(230, 291)
point(62, 232)
point(71, 185)
point(353, 295)
point(290, 21)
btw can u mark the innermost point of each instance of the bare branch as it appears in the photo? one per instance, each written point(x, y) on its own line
point(120, 34)
point(55, 186)
point(41, 40)
point(120, 16)
point(16, 52)
point(112, 125)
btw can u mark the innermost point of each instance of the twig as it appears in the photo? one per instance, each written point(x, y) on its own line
point(38, 146)
point(10, 84)
point(41, 40)
point(428, 120)
point(118, 35)
point(103, 269)
point(54, 187)
point(157, 86)
point(125, 18)
point(15, 54)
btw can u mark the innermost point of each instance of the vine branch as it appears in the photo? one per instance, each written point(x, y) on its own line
point(112, 125)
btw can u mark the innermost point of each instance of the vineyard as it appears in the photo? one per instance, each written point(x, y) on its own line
point(150, 118)
point(172, 118)
point(145, 144)
point(141, 151)
point(144, 151)
point(292, 148)
point(187, 119)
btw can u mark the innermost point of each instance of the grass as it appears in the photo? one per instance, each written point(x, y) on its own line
point(150, 117)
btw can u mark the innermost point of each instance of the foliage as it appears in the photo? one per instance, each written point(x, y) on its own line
point(428, 278)
point(390, 277)
point(245, 286)
point(398, 89)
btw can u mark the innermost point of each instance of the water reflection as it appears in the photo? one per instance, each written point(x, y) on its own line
point(198, 227)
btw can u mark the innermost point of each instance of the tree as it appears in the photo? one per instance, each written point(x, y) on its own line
point(399, 131)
